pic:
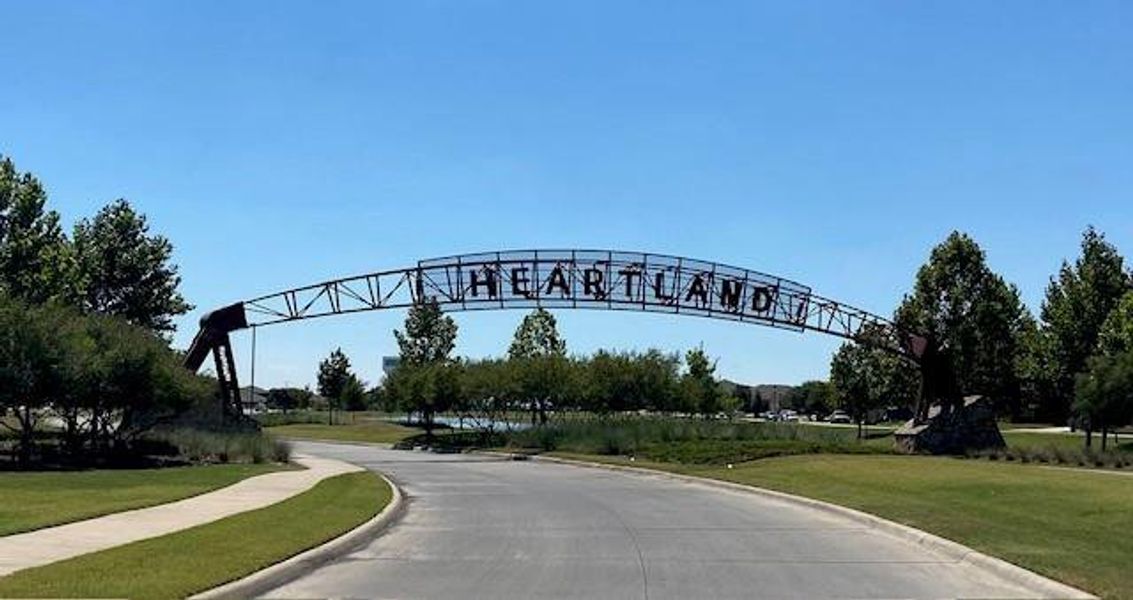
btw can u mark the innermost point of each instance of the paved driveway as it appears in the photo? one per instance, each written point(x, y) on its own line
point(481, 527)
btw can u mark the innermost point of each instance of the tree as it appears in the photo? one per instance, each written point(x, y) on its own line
point(657, 376)
point(859, 379)
point(1116, 335)
point(1104, 395)
point(288, 398)
point(490, 390)
point(539, 353)
point(957, 301)
point(701, 390)
point(106, 380)
point(425, 388)
point(353, 397)
point(35, 259)
point(334, 375)
point(1037, 368)
point(426, 344)
point(124, 271)
point(33, 365)
point(130, 381)
point(544, 382)
point(812, 398)
point(537, 335)
point(429, 336)
point(1076, 306)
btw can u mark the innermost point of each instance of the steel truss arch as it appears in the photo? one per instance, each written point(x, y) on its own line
point(594, 279)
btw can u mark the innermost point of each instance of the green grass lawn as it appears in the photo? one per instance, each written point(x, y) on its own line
point(180, 564)
point(380, 432)
point(36, 500)
point(1071, 525)
point(1021, 438)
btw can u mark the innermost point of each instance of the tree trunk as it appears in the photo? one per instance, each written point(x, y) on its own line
point(1105, 437)
point(1089, 437)
point(27, 436)
point(859, 429)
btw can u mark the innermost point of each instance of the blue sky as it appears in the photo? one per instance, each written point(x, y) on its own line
point(283, 143)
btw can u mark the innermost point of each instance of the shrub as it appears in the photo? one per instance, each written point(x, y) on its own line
point(225, 447)
point(689, 440)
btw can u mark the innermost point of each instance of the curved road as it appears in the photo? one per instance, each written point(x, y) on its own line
point(483, 527)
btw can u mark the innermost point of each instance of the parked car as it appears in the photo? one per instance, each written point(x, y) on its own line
point(839, 416)
point(788, 415)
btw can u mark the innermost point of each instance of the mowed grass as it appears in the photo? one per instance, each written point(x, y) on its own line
point(193, 560)
point(376, 432)
point(35, 500)
point(1070, 525)
point(1021, 438)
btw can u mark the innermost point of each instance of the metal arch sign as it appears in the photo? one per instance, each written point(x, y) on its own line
point(595, 279)
point(601, 279)
point(611, 280)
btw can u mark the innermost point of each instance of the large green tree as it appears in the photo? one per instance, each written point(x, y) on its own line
point(538, 353)
point(106, 380)
point(333, 378)
point(421, 383)
point(959, 302)
point(36, 264)
point(125, 271)
point(699, 387)
point(1076, 306)
point(1104, 395)
point(861, 377)
point(811, 398)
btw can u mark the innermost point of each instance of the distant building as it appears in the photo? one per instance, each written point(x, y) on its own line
point(253, 399)
point(758, 398)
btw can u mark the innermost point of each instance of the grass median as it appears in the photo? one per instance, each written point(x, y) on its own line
point(35, 500)
point(1070, 525)
point(374, 432)
point(183, 563)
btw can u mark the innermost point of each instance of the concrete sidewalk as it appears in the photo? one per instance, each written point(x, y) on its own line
point(43, 546)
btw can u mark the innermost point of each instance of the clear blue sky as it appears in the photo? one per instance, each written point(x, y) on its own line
point(282, 143)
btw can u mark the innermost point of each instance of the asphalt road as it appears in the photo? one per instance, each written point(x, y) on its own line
point(482, 527)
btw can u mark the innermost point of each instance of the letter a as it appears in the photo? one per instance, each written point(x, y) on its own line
point(558, 280)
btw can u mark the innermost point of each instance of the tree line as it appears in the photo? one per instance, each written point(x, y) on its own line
point(537, 378)
point(1071, 364)
point(83, 325)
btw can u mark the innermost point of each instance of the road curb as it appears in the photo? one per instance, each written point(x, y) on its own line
point(292, 568)
point(1045, 586)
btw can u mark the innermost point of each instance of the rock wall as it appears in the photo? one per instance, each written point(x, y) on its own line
point(971, 427)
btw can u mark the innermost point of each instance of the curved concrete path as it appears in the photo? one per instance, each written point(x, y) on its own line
point(43, 546)
point(483, 527)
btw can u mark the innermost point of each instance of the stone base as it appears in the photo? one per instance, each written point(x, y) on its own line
point(971, 427)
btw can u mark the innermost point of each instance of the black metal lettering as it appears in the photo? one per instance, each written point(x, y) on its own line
point(519, 282)
point(697, 289)
point(558, 280)
point(489, 283)
point(730, 291)
point(760, 299)
point(659, 286)
point(629, 274)
point(592, 283)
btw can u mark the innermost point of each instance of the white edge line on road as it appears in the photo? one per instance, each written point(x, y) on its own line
point(292, 568)
point(1049, 588)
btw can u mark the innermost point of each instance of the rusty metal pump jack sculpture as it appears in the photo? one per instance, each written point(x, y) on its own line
point(596, 279)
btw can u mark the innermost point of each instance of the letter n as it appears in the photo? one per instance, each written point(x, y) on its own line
point(730, 291)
